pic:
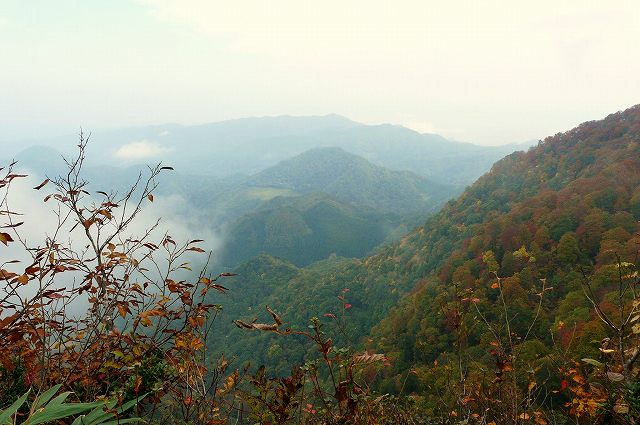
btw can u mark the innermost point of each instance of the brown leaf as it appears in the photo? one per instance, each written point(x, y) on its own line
point(241, 324)
point(276, 318)
point(265, 327)
point(5, 238)
point(6, 275)
point(52, 295)
point(257, 326)
point(186, 298)
point(11, 226)
point(122, 310)
point(138, 383)
point(219, 288)
point(41, 185)
point(150, 197)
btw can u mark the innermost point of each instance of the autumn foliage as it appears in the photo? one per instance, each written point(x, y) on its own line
point(517, 304)
point(105, 313)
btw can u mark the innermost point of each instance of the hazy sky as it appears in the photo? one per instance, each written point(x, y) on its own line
point(488, 72)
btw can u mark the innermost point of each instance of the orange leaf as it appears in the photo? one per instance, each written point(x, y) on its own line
point(579, 379)
point(122, 310)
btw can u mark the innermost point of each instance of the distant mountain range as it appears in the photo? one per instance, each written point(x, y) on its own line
point(250, 145)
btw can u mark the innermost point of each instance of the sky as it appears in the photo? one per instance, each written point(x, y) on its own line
point(487, 72)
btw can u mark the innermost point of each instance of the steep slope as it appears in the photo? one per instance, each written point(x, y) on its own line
point(569, 204)
point(565, 209)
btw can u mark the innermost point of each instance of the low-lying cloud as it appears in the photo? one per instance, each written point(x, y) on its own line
point(142, 149)
point(177, 219)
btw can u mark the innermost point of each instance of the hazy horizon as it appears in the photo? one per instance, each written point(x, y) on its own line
point(484, 73)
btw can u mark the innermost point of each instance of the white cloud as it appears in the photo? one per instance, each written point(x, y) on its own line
point(143, 149)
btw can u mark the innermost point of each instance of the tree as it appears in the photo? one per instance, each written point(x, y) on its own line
point(568, 250)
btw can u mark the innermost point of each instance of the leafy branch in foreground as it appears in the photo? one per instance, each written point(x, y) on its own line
point(98, 312)
point(334, 388)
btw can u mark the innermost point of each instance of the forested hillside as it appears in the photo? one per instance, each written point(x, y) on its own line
point(352, 179)
point(308, 228)
point(563, 215)
point(567, 207)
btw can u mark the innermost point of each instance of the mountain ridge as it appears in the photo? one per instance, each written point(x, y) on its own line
point(250, 145)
